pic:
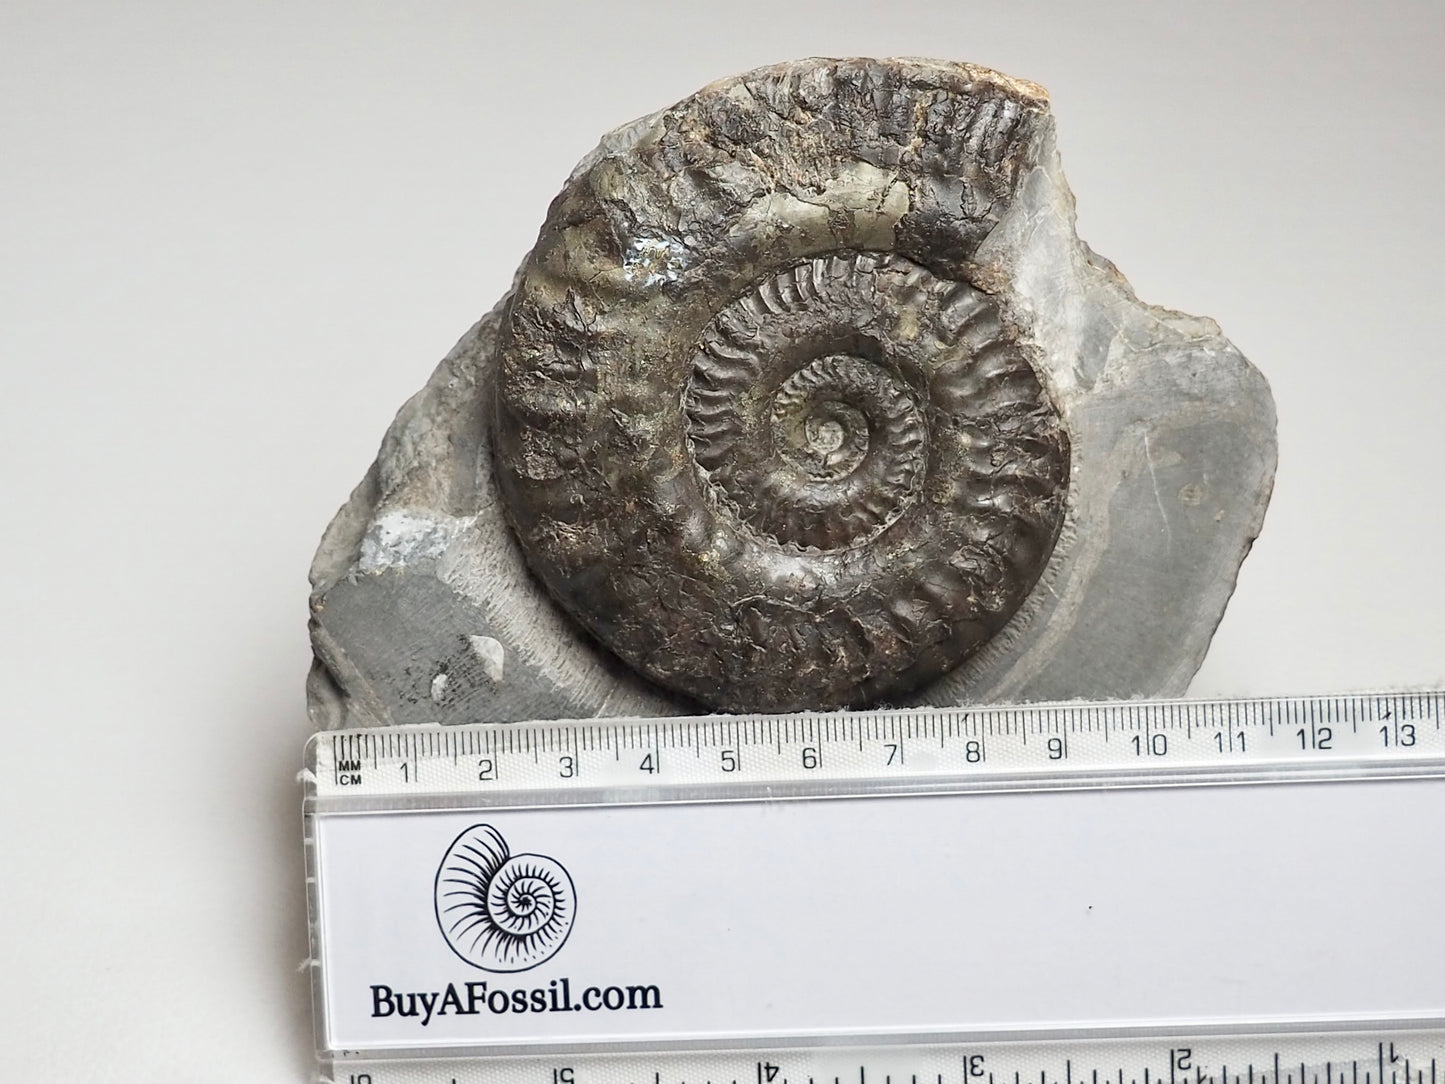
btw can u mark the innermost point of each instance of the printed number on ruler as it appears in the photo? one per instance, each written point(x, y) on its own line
point(1407, 1056)
point(1400, 732)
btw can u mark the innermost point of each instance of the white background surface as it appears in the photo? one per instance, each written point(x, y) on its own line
point(235, 236)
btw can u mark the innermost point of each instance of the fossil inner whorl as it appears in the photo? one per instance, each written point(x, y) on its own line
point(833, 455)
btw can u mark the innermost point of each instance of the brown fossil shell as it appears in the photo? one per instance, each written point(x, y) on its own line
point(760, 427)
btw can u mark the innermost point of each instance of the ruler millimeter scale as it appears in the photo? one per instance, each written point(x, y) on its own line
point(985, 748)
point(626, 902)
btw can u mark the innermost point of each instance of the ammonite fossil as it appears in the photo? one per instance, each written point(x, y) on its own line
point(500, 911)
point(807, 397)
point(771, 466)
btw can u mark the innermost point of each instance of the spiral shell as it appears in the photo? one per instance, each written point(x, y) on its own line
point(498, 911)
point(761, 426)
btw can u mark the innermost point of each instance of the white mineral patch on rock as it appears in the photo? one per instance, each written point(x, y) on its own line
point(402, 537)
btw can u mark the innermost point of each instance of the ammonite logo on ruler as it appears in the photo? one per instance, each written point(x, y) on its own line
point(499, 911)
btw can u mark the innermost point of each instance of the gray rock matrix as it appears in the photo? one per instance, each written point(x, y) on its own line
point(809, 396)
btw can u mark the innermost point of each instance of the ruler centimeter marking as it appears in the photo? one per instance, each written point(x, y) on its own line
point(1405, 1054)
point(986, 748)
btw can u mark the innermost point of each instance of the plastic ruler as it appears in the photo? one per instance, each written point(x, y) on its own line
point(514, 902)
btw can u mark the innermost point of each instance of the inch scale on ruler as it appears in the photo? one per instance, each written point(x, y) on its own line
point(406, 825)
point(1395, 1052)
